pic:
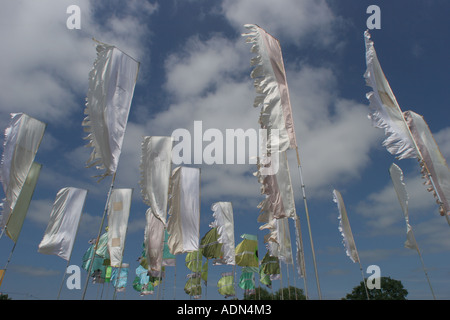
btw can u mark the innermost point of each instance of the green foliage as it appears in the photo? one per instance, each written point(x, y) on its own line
point(4, 297)
point(391, 289)
point(282, 294)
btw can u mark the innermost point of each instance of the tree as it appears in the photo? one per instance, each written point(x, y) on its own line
point(4, 297)
point(288, 294)
point(390, 289)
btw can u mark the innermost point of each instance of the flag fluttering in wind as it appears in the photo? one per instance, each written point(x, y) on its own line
point(211, 247)
point(435, 170)
point(193, 286)
point(397, 179)
point(270, 82)
point(111, 88)
point(17, 216)
point(247, 251)
point(23, 137)
point(225, 285)
point(65, 216)
point(184, 210)
point(247, 281)
point(224, 223)
point(119, 277)
point(385, 112)
point(99, 259)
point(154, 243)
point(344, 228)
point(156, 164)
point(118, 213)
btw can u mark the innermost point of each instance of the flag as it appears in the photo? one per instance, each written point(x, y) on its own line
point(277, 187)
point(22, 139)
point(118, 213)
point(119, 277)
point(99, 258)
point(111, 88)
point(184, 210)
point(397, 179)
point(193, 286)
point(225, 285)
point(211, 247)
point(247, 251)
point(224, 222)
point(279, 240)
point(61, 231)
point(300, 254)
point(271, 84)
point(344, 228)
point(247, 281)
point(169, 260)
point(17, 217)
point(156, 162)
point(385, 112)
point(435, 170)
point(154, 243)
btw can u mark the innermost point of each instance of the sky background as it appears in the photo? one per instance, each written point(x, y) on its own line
point(195, 65)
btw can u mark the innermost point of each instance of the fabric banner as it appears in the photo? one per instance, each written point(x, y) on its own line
point(224, 222)
point(23, 137)
point(433, 162)
point(111, 88)
point(279, 241)
point(62, 227)
point(225, 285)
point(154, 243)
point(118, 213)
point(17, 217)
point(279, 195)
point(156, 166)
point(270, 82)
point(184, 210)
point(344, 228)
point(397, 179)
point(385, 112)
point(300, 254)
point(247, 252)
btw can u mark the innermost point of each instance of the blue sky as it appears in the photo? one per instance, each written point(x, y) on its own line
point(195, 65)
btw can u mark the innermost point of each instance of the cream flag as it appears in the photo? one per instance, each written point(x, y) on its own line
point(62, 227)
point(154, 243)
point(397, 179)
point(17, 217)
point(156, 164)
point(118, 214)
point(385, 112)
point(111, 88)
point(224, 222)
point(344, 228)
point(184, 210)
point(22, 139)
point(270, 82)
point(435, 170)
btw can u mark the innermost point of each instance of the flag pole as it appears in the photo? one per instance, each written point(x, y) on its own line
point(309, 224)
point(423, 266)
point(99, 233)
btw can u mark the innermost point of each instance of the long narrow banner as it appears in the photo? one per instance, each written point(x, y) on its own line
point(344, 228)
point(156, 164)
point(397, 179)
point(154, 243)
point(271, 83)
point(23, 137)
point(385, 112)
point(184, 210)
point(433, 164)
point(111, 88)
point(61, 231)
point(224, 222)
point(118, 213)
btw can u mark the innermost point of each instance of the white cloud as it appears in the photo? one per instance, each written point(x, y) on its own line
point(289, 20)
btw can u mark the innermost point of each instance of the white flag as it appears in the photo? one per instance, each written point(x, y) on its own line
point(154, 243)
point(118, 213)
point(224, 222)
point(184, 209)
point(433, 162)
point(397, 179)
point(22, 139)
point(156, 164)
point(344, 228)
point(270, 81)
point(385, 112)
point(62, 227)
point(111, 88)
